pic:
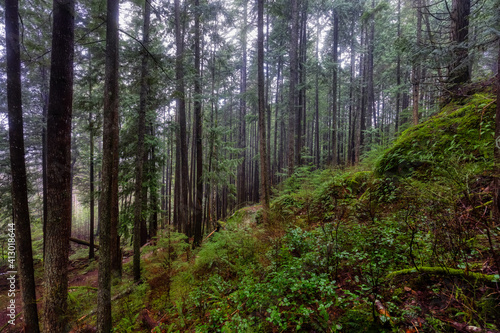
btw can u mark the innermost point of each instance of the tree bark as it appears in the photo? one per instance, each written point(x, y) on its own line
point(183, 212)
point(496, 179)
point(59, 167)
point(198, 202)
point(92, 199)
point(109, 188)
point(264, 184)
point(416, 67)
point(242, 173)
point(141, 130)
point(335, 59)
point(292, 112)
point(21, 218)
point(316, 101)
point(398, 75)
point(459, 71)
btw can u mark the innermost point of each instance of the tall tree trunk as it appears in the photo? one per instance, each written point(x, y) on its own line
point(496, 194)
point(181, 109)
point(398, 75)
point(351, 124)
point(141, 131)
point(370, 98)
point(198, 202)
point(241, 185)
point(109, 188)
point(91, 181)
point(292, 112)
point(416, 66)
point(316, 101)
point(496, 179)
point(264, 184)
point(21, 228)
point(45, 105)
point(335, 59)
point(300, 119)
point(59, 167)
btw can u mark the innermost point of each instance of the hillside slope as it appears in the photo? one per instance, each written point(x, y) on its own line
point(405, 245)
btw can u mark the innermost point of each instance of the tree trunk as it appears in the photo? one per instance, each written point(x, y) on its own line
point(292, 112)
point(496, 194)
point(59, 168)
point(91, 181)
point(242, 174)
point(316, 101)
point(153, 202)
point(398, 75)
point(264, 184)
point(459, 71)
point(45, 105)
point(183, 212)
point(109, 188)
point(198, 202)
point(141, 131)
point(22, 229)
point(335, 59)
point(416, 67)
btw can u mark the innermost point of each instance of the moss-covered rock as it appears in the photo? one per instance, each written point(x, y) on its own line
point(463, 133)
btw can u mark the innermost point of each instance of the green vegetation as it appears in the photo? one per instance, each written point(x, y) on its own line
point(462, 133)
point(397, 244)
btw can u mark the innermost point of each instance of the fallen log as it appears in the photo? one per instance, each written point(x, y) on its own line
point(446, 272)
point(82, 242)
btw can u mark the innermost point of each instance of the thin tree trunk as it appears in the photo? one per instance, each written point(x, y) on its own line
point(416, 67)
point(242, 173)
point(45, 105)
point(183, 213)
point(316, 101)
point(264, 184)
point(92, 197)
point(153, 203)
point(398, 74)
point(292, 112)
point(141, 131)
point(109, 191)
point(335, 60)
point(198, 202)
point(20, 232)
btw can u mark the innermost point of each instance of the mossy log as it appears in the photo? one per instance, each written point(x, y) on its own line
point(447, 272)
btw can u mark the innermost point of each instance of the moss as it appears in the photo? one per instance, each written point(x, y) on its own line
point(459, 132)
point(358, 181)
point(446, 271)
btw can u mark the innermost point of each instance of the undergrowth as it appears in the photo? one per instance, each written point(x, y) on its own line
point(403, 243)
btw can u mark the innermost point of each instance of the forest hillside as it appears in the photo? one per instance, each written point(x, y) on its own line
point(249, 166)
point(404, 242)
